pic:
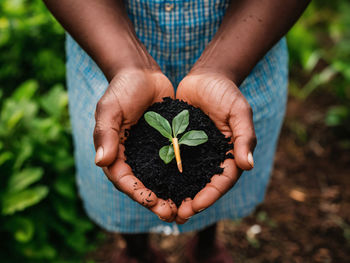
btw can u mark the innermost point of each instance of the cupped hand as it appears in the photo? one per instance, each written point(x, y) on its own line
point(128, 95)
point(219, 98)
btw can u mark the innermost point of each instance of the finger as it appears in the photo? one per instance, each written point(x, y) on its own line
point(185, 211)
point(106, 171)
point(161, 205)
point(120, 174)
point(123, 179)
point(173, 210)
point(106, 133)
point(164, 92)
point(218, 186)
point(181, 94)
point(244, 137)
point(164, 88)
point(164, 210)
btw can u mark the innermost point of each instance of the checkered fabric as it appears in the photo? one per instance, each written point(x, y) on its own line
point(175, 33)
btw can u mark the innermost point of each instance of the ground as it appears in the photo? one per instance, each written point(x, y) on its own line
point(306, 214)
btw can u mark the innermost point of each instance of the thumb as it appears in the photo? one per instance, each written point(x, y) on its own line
point(244, 138)
point(106, 133)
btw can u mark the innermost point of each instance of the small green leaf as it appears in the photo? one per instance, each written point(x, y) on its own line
point(65, 187)
point(193, 138)
point(18, 201)
point(21, 180)
point(159, 123)
point(24, 229)
point(55, 101)
point(66, 211)
point(26, 90)
point(5, 156)
point(43, 251)
point(337, 115)
point(180, 122)
point(166, 153)
point(21, 227)
point(26, 149)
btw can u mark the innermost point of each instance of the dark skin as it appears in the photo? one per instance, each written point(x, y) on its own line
point(249, 29)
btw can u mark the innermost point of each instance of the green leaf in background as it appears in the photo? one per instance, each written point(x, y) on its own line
point(337, 115)
point(35, 132)
point(156, 121)
point(21, 180)
point(312, 61)
point(65, 186)
point(25, 147)
point(25, 233)
point(26, 90)
point(193, 138)
point(22, 228)
point(166, 153)
point(47, 56)
point(18, 201)
point(65, 212)
point(55, 101)
point(15, 117)
point(342, 67)
point(44, 251)
point(77, 241)
point(5, 156)
point(300, 36)
point(13, 112)
point(49, 128)
point(315, 82)
point(180, 122)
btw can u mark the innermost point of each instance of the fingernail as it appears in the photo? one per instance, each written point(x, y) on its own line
point(161, 218)
point(99, 155)
point(200, 210)
point(188, 218)
point(250, 159)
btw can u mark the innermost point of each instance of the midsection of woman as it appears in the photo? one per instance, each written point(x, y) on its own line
point(175, 33)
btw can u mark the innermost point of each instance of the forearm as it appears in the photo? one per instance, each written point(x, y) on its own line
point(249, 29)
point(104, 31)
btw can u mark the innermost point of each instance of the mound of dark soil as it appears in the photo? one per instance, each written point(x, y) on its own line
point(199, 163)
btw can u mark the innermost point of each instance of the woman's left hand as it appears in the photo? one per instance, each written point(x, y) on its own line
point(219, 98)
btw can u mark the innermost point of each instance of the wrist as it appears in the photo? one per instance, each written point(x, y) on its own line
point(214, 61)
point(214, 68)
point(129, 54)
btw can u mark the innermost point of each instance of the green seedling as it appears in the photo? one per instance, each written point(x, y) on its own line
point(179, 125)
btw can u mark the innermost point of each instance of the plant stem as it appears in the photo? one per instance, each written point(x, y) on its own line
point(177, 154)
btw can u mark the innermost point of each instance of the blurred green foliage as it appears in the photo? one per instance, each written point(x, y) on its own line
point(31, 45)
point(319, 47)
point(41, 219)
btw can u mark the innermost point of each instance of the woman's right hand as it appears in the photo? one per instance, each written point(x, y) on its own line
point(128, 95)
point(103, 29)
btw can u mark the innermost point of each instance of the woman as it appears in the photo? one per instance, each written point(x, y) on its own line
point(225, 58)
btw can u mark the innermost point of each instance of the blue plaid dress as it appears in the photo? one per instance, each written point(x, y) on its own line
point(175, 34)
